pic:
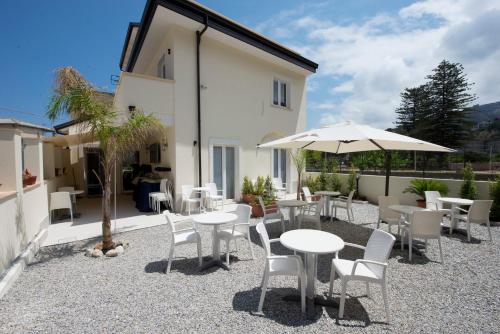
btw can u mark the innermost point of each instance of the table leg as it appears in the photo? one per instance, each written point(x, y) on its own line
point(292, 215)
point(311, 264)
point(215, 261)
point(327, 206)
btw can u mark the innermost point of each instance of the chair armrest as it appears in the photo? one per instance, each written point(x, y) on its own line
point(185, 230)
point(366, 261)
point(354, 245)
point(273, 240)
point(463, 210)
point(220, 191)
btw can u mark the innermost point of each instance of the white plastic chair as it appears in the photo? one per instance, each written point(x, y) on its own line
point(312, 214)
point(187, 193)
point(240, 229)
point(213, 195)
point(285, 265)
point(271, 215)
point(345, 203)
point(424, 224)
point(387, 215)
point(279, 187)
point(432, 203)
point(60, 200)
point(479, 212)
point(181, 237)
point(158, 195)
point(370, 269)
point(308, 197)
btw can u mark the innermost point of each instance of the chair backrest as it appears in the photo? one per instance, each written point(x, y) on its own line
point(307, 194)
point(263, 206)
point(431, 201)
point(243, 212)
point(383, 207)
point(277, 183)
point(378, 249)
point(315, 210)
point(68, 189)
point(349, 198)
point(167, 215)
point(60, 200)
point(212, 188)
point(264, 238)
point(187, 191)
point(426, 223)
point(163, 185)
point(479, 211)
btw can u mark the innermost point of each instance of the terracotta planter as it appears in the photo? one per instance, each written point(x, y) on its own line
point(29, 181)
point(248, 199)
point(257, 209)
point(421, 203)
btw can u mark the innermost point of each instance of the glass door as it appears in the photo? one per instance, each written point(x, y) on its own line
point(223, 168)
point(279, 164)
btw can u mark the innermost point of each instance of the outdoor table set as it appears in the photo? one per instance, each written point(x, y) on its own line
point(291, 204)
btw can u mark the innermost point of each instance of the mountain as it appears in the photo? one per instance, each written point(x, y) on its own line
point(486, 113)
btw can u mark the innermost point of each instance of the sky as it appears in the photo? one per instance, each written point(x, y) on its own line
point(368, 51)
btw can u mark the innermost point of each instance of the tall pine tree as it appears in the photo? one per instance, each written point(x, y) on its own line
point(450, 97)
point(414, 111)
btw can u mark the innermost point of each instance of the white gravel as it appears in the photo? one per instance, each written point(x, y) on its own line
point(64, 291)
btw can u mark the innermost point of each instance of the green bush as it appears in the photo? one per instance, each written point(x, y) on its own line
point(468, 189)
point(333, 182)
point(268, 185)
point(351, 180)
point(312, 183)
point(247, 188)
point(260, 186)
point(420, 186)
point(495, 196)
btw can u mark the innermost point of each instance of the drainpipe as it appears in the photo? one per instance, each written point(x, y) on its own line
point(198, 90)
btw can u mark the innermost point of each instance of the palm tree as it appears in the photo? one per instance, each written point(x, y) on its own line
point(117, 136)
point(299, 160)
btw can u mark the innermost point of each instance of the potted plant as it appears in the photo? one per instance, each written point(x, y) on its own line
point(420, 186)
point(247, 191)
point(28, 179)
point(468, 189)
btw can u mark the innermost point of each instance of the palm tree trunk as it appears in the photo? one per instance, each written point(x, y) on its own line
point(298, 186)
point(107, 239)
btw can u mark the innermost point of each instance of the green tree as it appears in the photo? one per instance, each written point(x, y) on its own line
point(75, 96)
point(414, 111)
point(468, 189)
point(450, 97)
point(495, 196)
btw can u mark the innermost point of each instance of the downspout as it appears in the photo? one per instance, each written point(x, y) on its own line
point(198, 90)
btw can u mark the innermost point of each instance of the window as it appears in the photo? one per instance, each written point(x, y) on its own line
point(161, 68)
point(154, 153)
point(281, 93)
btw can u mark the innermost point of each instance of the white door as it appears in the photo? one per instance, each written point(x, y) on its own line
point(223, 169)
point(279, 164)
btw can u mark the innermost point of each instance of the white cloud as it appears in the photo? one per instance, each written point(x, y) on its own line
point(364, 65)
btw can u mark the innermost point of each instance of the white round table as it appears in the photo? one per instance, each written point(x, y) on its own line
point(312, 243)
point(406, 210)
point(73, 194)
point(291, 204)
point(215, 219)
point(327, 194)
point(455, 202)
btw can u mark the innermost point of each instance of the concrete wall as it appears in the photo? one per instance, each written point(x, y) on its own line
point(372, 186)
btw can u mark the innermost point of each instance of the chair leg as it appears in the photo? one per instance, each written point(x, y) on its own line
point(189, 208)
point(299, 222)
point(332, 278)
point(303, 293)
point(402, 239)
point(368, 294)
point(265, 281)
point(250, 246)
point(170, 258)
point(348, 215)
point(378, 223)
point(71, 214)
point(425, 245)
point(489, 230)
point(283, 225)
point(342, 298)
point(386, 303)
point(409, 246)
point(468, 231)
point(227, 251)
point(440, 250)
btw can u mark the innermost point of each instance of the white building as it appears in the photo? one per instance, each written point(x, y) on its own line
point(221, 89)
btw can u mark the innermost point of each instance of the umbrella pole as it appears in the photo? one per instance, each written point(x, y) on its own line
point(388, 161)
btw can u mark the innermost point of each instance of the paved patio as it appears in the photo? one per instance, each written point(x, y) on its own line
point(64, 291)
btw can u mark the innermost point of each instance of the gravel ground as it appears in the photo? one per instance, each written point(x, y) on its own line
point(64, 291)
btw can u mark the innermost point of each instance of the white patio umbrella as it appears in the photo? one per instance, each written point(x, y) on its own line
point(350, 137)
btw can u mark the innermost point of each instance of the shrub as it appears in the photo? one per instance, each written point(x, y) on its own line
point(468, 189)
point(333, 182)
point(247, 188)
point(260, 186)
point(312, 183)
point(268, 185)
point(495, 196)
point(420, 186)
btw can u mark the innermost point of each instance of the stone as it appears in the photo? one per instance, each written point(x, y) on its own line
point(96, 253)
point(119, 249)
point(88, 252)
point(112, 253)
point(125, 244)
